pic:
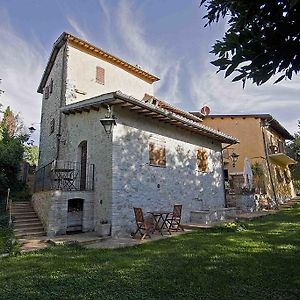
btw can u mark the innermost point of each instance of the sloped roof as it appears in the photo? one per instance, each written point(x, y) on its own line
point(158, 114)
point(88, 47)
point(273, 123)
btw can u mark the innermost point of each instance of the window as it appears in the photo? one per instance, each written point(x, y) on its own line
point(287, 176)
point(202, 160)
point(51, 86)
point(100, 75)
point(157, 153)
point(52, 126)
point(278, 174)
point(46, 92)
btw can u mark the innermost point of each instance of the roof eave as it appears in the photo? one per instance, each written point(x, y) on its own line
point(56, 46)
point(168, 117)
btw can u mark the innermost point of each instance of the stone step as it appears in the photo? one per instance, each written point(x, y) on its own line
point(25, 229)
point(21, 207)
point(21, 202)
point(27, 224)
point(23, 210)
point(206, 226)
point(26, 219)
point(29, 234)
point(20, 214)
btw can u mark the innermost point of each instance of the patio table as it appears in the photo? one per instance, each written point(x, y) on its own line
point(160, 217)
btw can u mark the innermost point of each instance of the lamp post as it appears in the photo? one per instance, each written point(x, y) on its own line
point(108, 122)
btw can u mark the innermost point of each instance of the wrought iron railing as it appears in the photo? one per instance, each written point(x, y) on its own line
point(65, 176)
point(281, 148)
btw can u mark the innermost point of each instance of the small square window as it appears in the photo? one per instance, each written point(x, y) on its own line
point(51, 86)
point(202, 160)
point(46, 92)
point(52, 126)
point(157, 153)
point(100, 75)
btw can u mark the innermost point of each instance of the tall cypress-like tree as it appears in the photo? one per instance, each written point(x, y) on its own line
point(11, 152)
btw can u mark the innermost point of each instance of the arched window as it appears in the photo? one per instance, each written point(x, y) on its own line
point(82, 151)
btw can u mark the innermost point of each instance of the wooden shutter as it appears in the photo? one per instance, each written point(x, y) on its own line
point(202, 160)
point(52, 126)
point(51, 86)
point(100, 75)
point(47, 92)
point(157, 154)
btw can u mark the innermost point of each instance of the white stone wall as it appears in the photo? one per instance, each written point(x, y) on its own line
point(81, 70)
point(137, 184)
point(74, 72)
point(52, 209)
point(87, 127)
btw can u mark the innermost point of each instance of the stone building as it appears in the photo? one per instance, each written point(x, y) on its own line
point(263, 141)
point(155, 156)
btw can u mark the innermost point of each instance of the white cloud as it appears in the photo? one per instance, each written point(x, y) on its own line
point(224, 96)
point(77, 28)
point(22, 63)
point(152, 57)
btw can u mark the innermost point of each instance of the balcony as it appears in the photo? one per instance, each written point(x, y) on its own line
point(278, 153)
point(64, 176)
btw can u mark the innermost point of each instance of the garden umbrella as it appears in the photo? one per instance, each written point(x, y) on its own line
point(248, 174)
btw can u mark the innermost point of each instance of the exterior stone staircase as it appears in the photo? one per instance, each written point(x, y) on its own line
point(26, 222)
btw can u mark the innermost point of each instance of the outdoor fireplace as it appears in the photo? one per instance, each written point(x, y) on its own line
point(75, 215)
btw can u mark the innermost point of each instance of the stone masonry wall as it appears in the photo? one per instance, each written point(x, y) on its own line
point(52, 209)
point(87, 127)
point(50, 111)
point(137, 184)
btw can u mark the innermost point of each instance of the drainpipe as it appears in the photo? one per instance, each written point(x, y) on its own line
point(62, 97)
point(268, 165)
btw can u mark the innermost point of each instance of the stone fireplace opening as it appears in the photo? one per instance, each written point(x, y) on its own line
point(75, 215)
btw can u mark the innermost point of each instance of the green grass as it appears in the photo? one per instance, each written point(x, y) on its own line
point(254, 260)
point(4, 238)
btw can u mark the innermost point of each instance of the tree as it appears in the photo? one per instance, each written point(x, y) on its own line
point(31, 154)
point(263, 39)
point(11, 155)
point(13, 124)
point(11, 151)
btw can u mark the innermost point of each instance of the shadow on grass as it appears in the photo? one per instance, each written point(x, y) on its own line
point(259, 262)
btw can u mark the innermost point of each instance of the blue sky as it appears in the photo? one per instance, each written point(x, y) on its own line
point(166, 38)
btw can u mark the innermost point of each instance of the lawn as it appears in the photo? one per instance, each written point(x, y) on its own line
point(255, 260)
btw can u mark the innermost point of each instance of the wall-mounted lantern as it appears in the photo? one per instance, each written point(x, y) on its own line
point(234, 157)
point(31, 129)
point(108, 122)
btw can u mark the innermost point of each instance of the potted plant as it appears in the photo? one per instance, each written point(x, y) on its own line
point(103, 228)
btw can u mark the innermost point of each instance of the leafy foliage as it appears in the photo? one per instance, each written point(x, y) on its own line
point(31, 154)
point(13, 124)
point(257, 169)
point(11, 152)
point(262, 40)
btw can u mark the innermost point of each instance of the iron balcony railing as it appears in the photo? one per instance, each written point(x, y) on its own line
point(281, 148)
point(65, 176)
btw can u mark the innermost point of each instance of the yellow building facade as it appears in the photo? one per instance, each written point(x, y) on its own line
point(263, 142)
